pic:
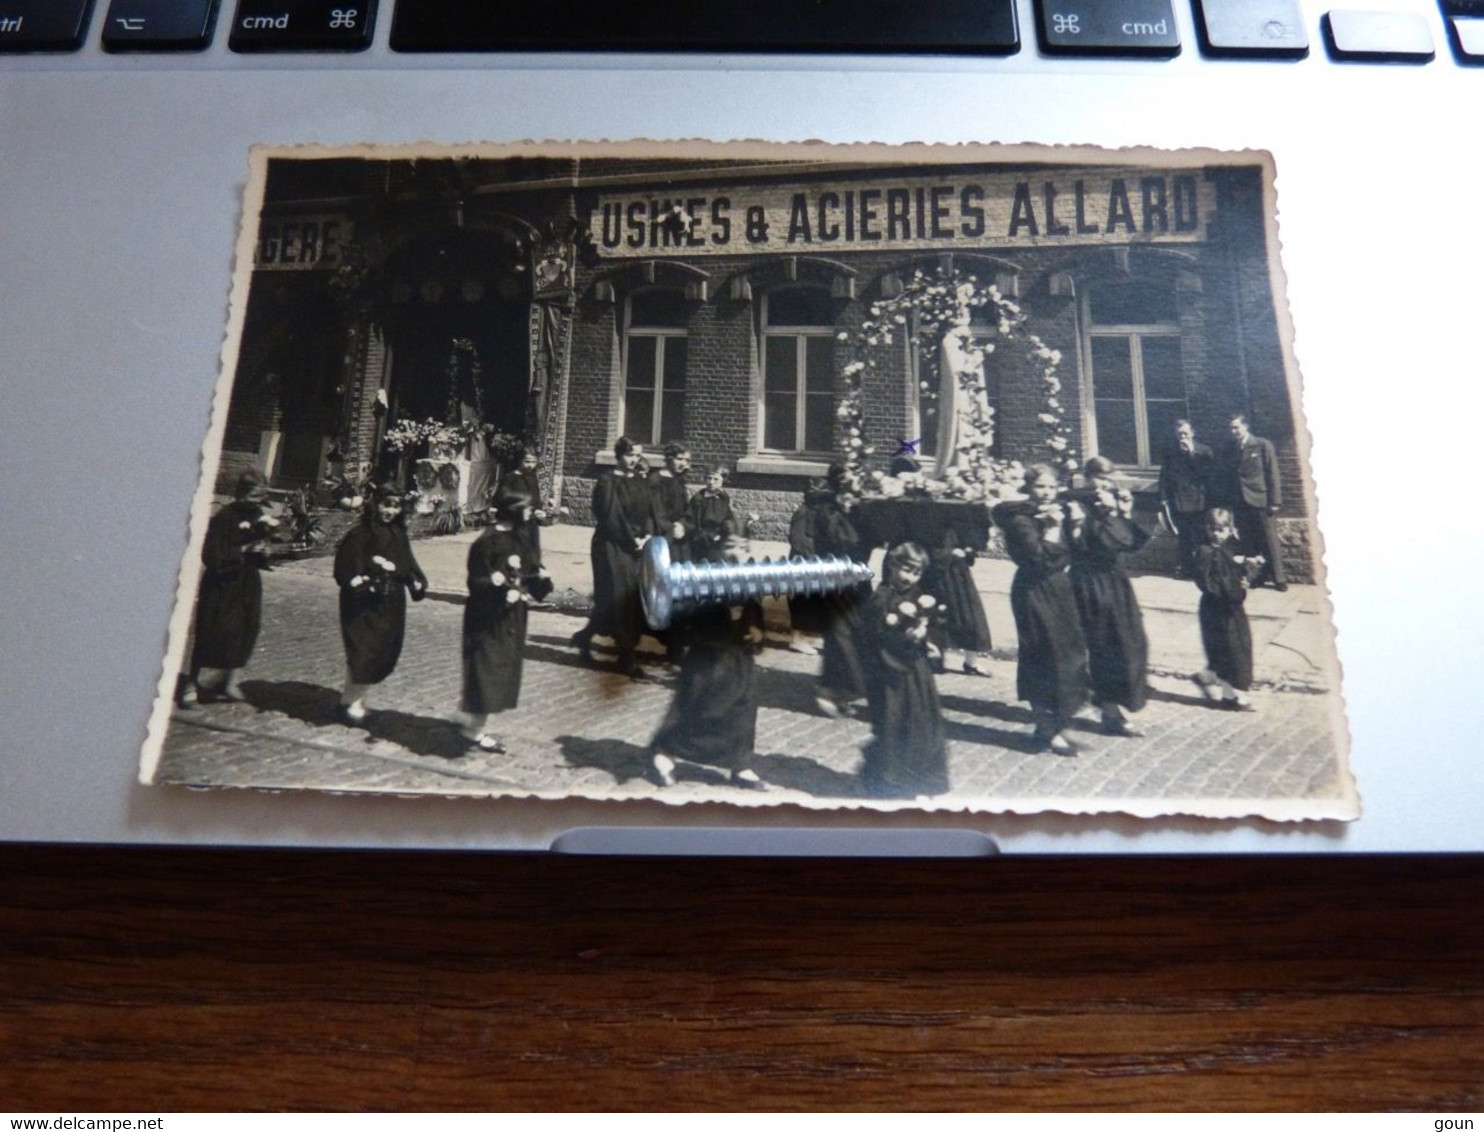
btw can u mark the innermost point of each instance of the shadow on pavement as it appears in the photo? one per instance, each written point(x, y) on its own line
point(795, 772)
point(318, 706)
point(786, 691)
point(624, 761)
point(1195, 699)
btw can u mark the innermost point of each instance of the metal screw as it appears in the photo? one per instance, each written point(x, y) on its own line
point(666, 585)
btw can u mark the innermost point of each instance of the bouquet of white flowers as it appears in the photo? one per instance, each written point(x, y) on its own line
point(916, 617)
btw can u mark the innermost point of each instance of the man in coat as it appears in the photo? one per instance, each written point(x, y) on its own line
point(1256, 491)
point(1184, 479)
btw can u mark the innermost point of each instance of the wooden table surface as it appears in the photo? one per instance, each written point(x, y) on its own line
point(165, 979)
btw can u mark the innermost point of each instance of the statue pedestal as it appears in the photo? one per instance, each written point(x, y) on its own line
point(443, 472)
point(922, 520)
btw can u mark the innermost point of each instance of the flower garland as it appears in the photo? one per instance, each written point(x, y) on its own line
point(930, 309)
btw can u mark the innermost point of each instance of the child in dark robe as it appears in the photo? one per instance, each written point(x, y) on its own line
point(907, 755)
point(668, 495)
point(503, 580)
point(964, 626)
point(832, 532)
point(1052, 667)
point(1112, 623)
point(229, 603)
point(375, 570)
point(713, 718)
point(709, 520)
point(670, 501)
point(623, 515)
point(1224, 579)
point(808, 616)
point(525, 476)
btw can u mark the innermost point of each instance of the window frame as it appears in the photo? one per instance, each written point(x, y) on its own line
point(1134, 333)
point(660, 335)
point(801, 334)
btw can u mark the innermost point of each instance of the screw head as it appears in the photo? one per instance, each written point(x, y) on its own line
point(654, 582)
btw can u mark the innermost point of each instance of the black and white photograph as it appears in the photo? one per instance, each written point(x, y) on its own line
point(964, 478)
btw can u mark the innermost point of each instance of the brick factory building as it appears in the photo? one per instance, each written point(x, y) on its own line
point(570, 301)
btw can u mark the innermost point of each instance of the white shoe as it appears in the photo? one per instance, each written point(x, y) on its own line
point(663, 767)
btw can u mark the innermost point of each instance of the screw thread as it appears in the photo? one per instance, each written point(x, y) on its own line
point(731, 582)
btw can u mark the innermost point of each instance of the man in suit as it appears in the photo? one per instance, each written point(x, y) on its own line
point(1256, 491)
point(1184, 479)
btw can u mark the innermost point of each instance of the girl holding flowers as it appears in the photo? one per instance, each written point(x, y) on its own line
point(504, 578)
point(907, 755)
point(1052, 669)
point(1117, 647)
point(375, 570)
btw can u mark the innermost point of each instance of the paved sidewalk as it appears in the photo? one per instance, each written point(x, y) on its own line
point(584, 731)
point(1291, 639)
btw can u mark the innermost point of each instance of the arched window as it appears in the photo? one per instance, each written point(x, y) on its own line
point(1137, 371)
point(798, 409)
point(654, 366)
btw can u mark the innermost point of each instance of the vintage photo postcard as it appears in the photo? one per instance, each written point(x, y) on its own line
point(470, 396)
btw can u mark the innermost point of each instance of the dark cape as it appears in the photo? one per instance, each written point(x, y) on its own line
point(1225, 631)
point(1112, 624)
point(229, 603)
point(494, 626)
point(950, 578)
point(669, 500)
point(713, 717)
point(623, 511)
point(1051, 673)
point(373, 615)
point(908, 752)
point(822, 527)
point(709, 522)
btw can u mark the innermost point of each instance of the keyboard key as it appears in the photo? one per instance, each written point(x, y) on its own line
point(1106, 27)
point(1378, 37)
point(986, 27)
point(302, 25)
point(1262, 29)
point(43, 25)
point(158, 25)
point(1468, 38)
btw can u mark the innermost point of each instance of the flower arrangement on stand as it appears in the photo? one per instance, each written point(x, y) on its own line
point(936, 310)
point(406, 436)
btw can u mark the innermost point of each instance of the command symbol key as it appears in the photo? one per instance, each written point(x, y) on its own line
point(1099, 27)
point(303, 25)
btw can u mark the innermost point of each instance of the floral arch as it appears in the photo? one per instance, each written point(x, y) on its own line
point(935, 309)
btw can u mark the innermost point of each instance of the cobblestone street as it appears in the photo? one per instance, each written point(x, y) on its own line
point(583, 731)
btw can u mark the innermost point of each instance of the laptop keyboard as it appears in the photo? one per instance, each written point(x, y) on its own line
point(1260, 29)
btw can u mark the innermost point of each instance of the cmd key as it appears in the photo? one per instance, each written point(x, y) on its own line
point(1107, 27)
point(302, 25)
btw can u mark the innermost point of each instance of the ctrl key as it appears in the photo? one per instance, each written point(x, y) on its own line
point(43, 25)
point(302, 25)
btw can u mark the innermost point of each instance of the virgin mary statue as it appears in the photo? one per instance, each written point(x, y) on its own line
point(965, 420)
